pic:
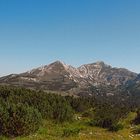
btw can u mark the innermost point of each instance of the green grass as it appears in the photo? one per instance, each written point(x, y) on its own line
point(52, 131)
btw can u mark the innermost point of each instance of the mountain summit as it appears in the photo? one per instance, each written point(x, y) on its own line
point(60, 76)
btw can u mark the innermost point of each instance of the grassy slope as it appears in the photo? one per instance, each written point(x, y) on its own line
point(52, 131)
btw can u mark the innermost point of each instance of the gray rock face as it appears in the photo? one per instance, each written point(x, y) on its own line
point(101, 74)
point(63, 77)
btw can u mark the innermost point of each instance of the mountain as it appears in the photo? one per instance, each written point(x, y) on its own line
point(59, 76)
point(100, 73)
point(56, 76)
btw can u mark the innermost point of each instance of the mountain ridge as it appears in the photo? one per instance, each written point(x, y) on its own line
point(62, 77)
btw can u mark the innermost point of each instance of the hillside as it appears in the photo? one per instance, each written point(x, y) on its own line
point(36, 115)
point(55, 131)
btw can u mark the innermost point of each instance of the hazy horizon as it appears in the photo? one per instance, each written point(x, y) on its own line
point(38, 32)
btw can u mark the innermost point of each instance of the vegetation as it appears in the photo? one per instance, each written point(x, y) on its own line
point(71, 131)
point(16, 120)
point(107, 116)
point(21, 110)
point(137, 119)
point(136, 130)
point(42, 115)
point(54, 131)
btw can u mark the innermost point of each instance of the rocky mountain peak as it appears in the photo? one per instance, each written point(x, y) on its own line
point(99, 63)
point(60, 76)
point(57, 63)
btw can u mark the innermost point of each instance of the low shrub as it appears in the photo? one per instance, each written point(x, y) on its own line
point(17, 120)
point(62, 111)
point(137, 119)
point(136, 130)
point(91, 123)
point(116, 127)
point(71, 131)
point(89, 113)
point(106, 124)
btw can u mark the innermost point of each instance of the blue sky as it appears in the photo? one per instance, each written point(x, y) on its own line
point(38, 32)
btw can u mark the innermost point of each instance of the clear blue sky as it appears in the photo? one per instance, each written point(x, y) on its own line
point(37, 32)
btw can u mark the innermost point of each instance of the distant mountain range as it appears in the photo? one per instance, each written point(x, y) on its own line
point(59, 76)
